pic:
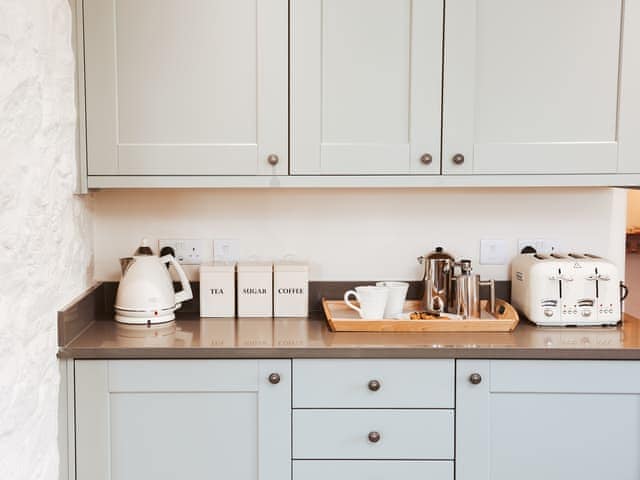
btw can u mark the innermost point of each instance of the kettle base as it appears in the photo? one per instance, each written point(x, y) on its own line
point(146, 318)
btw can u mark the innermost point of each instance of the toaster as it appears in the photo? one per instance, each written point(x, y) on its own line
point(573, 289)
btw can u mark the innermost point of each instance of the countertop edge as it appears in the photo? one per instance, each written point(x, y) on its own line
point(348, 352)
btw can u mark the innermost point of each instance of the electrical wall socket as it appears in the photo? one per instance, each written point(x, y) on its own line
point(226, 249)
point(542, 245)
point(187, 251)
point(493, 251)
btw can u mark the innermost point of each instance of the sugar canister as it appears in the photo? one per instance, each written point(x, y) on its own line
point(290, 289)
point(218, 289)
point(255, 289)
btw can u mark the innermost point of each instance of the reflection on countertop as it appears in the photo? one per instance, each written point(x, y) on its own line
point(194, 337)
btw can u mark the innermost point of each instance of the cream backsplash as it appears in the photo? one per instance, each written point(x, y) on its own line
point(360, 234)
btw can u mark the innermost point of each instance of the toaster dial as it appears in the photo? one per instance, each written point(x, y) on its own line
point(548, 312)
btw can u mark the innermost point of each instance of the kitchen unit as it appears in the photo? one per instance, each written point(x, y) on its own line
point(520, 93)
point(167, 419)
point(291, 400)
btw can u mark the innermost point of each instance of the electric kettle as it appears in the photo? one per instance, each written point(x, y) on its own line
point(145, 293)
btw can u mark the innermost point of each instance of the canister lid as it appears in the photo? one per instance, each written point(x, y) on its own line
point(290, 266)
point(218, 267)
point(255, 266)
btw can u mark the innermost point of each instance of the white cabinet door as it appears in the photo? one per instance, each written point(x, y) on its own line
point(549, 420)
point(195, 87)
point(191, 419)
point(366, 86)
point(531, 86)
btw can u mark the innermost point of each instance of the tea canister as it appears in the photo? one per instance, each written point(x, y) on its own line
point(255, 289)
point(218, 289)
point(290, 289)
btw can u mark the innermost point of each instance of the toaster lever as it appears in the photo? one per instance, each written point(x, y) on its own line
point(592, 277)
point(604, 278)
point(566, 278)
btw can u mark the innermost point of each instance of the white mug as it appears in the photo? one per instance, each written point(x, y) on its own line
point(395, 300)
point(372, 301)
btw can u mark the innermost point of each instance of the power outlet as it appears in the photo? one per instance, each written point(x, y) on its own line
point(542, 245)
point(493, 251)
point(226, 249)
point(187, 251)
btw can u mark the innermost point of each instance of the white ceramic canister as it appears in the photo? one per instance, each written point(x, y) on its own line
point(255, 289)
point(218, 289)
point(290, 289)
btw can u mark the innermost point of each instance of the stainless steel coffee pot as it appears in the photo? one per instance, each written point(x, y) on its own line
point(467, 286)
point(438, 272)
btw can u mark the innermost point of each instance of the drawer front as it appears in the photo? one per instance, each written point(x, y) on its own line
point(371, 470)
point(346, 383)
point(344, 434)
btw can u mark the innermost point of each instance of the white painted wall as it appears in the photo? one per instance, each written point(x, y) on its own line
point(45, 231)
point(363, 234)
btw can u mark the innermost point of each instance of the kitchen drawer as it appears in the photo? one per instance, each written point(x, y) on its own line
point(344, 434)
point(371, 470)
point(346, 383)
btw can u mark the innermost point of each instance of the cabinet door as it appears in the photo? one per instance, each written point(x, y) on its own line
point(366, 86)
point(186, 88)
point(191, 419)
point(531, 87)
point(547, 419)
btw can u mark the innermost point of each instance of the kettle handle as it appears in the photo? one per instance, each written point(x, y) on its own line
point(186, 293)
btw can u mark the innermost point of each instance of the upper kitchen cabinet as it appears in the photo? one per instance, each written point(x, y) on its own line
point(531, 87)
point(186, 88)
point(366, 86)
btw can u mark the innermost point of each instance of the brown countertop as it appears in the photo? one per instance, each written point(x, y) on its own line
point(194, 337)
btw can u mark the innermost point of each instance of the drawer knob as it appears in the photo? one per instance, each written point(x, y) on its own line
point(475, 378)
point(458, 159)
point(273, 159)
point(374, 437)
point(426, 159)
point(374, 385)
point(274, 378)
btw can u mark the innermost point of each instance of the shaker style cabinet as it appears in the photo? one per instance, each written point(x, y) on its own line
point(191, 419)
point(547, 419)
point(531, 87)
point(398, 93)
point(366, 86)
point(186, 88)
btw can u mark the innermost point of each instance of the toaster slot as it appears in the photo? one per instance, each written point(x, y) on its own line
point(549, 303)
point(586, 302)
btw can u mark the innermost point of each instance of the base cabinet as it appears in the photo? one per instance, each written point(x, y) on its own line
point(356, 419)
point(547, 419)
point(190, 419)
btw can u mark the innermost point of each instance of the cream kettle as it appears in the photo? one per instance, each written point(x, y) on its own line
point(145, 293)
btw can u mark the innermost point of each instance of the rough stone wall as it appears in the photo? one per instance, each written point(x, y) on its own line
point(45, 230)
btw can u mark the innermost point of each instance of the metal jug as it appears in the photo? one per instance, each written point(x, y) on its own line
point(438, 271)
point(467, 285)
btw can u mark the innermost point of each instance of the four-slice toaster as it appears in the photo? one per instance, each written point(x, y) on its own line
point(573, 289)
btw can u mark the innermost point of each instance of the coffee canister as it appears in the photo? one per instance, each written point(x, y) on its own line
point(255, 289)
point(290, 289)
point(218, 289)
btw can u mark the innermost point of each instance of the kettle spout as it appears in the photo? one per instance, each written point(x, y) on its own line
point(125, 263)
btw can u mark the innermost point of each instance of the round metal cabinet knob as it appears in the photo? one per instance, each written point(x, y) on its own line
point(426, 159)
point(458, 159)
point(273, 159)
point(374, 385)
point(274, 378)
point(475, 378)
point(374, 437)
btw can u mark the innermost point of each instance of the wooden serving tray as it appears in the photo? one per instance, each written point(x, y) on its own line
point(343, 319)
